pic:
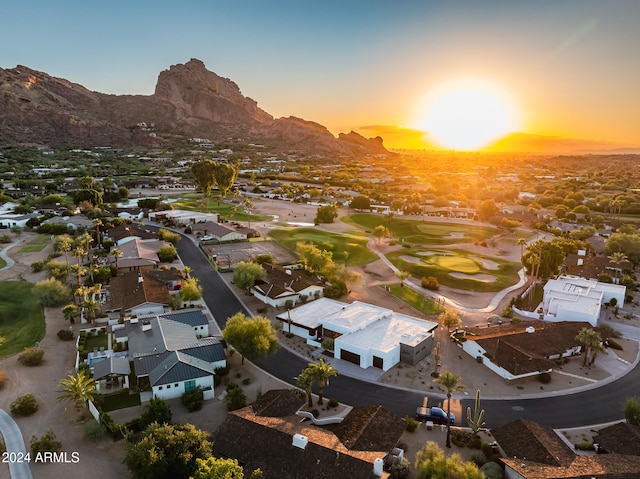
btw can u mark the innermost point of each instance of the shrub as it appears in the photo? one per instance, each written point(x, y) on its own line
point(544, 378)
point(235, 398)
point(25, 405)
point(333, 402)
point(94, 431)
point(492, 470)
point(52, 292)
point(65, 334)
point(3, 378)
point(632, 410)
point(246, 381)
point(614, 345)
point(507, 312)
point(478, 458)
point(193, 399)
point(37, 266)
point(430, 283)
point(328, 343)
point(158, 411)
point(584, 446)
point(221, 371)
point(335, 290)
point(400, 469)
point(411, 424)
point(261, 310)
point(47, 443)
point(31, 356)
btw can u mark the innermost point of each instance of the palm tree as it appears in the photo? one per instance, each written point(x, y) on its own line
point(321, 372)
point(305, 381)
point(248, 204)
point(116, 253)
point(522, 243)
point(592, 342)
point(617, 258)
point(97, 223)
point(403, 275)
point(70, 312)
point(450, 382)
point(186, 271)
point(64, 245)
point(77, 389)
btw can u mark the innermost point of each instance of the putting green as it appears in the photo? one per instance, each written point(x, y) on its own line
point(454, 263)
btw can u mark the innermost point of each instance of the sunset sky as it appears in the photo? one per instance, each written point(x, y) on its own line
point(559, 68)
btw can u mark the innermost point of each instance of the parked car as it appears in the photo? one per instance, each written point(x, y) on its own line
point(434, 414)
point(206, 238)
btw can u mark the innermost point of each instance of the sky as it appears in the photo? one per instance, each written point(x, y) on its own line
point(566, 68)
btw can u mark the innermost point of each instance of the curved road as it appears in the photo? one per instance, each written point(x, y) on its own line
point(593, 406)
point(18, 468)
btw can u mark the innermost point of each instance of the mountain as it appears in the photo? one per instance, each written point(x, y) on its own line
point(531, 143)
point(188, 100)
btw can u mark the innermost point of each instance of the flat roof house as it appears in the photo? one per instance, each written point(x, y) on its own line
point(363, 334)
point(571, 298)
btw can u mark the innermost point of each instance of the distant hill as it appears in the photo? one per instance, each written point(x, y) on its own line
point(189, 100)
point(530, 143)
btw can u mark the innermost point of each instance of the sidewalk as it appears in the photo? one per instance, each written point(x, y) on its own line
point(18, 468)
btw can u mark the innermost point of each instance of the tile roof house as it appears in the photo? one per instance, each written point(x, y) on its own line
point(283, 284)
point(127, 232)
point(141, 292)
point(169, 353)
point(364, 334)
point(139, 254)
point(534, 451)
point(219, 231)
point(521, 350)
point(295, 449)
point(619, 438)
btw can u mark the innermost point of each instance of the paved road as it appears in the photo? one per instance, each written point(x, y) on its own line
point(601, 405)
point(15, 444)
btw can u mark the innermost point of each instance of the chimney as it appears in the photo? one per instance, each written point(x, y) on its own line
point(300, 441)
point(377, 467)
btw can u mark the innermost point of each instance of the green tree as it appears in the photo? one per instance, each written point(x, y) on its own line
point(316, 260)
point(632, 410)
point(433, 463)
point(380, 232)
point(190, 290)
point(321, 372)
point(326, 214)
point(168, 236)
point(167, 451)
point(626, 243)
point(592, 342)
point(253, 337)
point(360, 203)
point(451, 383)
point(116, 253)
point(167, 253)
point(203, 175)
point(246, 273)
point(158, 410)
point(47, 443)
point(617, 258)
point(225, 175)
point(449, 319)
point(543, 259)
point(78, 389)
point(214, 468)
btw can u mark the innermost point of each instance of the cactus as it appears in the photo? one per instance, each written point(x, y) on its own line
point(477, 420)
point(436, 357)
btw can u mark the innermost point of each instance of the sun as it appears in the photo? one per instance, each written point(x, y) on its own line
point(467, 115)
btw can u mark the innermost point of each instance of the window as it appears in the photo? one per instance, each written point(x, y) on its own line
point(168, 386)
point(160, 388)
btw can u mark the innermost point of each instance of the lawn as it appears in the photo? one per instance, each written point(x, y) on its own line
point(119, 400)
point(356, 246)
point(96, 342)
point(22, 321)
point(37, 244)
point(3, 263)
point(424, 232)
point(474, 272)
point(414, 299)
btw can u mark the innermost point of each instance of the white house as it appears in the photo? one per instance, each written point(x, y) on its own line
point(571, 298)
point(9, 220)
point(183, 217)
point(363, 334)
point(283, 284)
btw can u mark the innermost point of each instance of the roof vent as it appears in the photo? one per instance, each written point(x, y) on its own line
point(300, 441)
point(146, 325)
point(530, 329)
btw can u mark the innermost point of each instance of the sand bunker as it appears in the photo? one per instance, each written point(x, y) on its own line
point(489, 264)
point(410, 259)
point(431, 253)
point(484, 278)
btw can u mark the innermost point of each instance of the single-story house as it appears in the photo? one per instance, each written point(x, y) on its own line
point(283, 284)
point(9, 220)
point(128, 232)
point(183, 217)
point(363, 334)
point(219, 231)
point(289, 448)
point(169, 355)
point(571, 298)
point(138, 255)
point(521, 350)
point(141, 292)
point(128, 212)
point(534, 451)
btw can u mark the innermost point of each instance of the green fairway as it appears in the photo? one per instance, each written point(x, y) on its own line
point(424, 233)
point(457, 269)
point(194, 202)
point(356, 246)
point(3, 263)
point(21, 317)
point(415, 300)
point(36, 245)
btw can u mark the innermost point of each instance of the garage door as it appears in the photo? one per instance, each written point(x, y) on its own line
point(349, 356)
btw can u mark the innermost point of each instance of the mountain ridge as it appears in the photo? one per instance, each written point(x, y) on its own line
point(188, 100)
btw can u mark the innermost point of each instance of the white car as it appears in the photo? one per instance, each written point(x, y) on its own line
point(206, 238)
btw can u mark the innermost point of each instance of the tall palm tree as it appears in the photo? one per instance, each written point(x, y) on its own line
point(116, 253)
point(64, 245)
point(70, 312)
point(77, 389)
point(97, 223)
point(403, 275)
point(248, 204)
point(450, 382)
point(321, 372)
point(617, 258)
point(522, 243)
point(305, 381)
